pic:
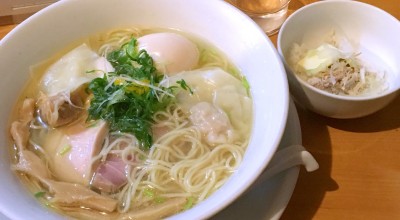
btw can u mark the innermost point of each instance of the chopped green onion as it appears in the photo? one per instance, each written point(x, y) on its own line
point(128, 97)
point(149, 193)
point(159, 199)
point(142, 157)
point(64, 150)
point(39, 194)
point(245, 84)
point(184, 86)
point(189, 203)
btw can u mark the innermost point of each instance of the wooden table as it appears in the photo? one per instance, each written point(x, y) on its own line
point(359, 175)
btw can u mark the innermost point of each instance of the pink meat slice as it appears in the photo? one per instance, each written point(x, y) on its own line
point(110, 174)
point(76, 145)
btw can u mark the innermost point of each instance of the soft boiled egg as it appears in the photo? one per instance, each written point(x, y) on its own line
point(172, 52)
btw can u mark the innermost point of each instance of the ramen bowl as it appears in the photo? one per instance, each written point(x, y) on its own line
point(371, 33)
point(52, 29)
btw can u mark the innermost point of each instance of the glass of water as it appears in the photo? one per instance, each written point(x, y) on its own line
point(268, 14)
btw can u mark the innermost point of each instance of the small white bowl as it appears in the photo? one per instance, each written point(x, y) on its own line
point(372, 31)
point(65, 22)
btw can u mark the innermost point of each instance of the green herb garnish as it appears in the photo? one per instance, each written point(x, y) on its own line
point(159, 199)
point(184, 86)
point(148, 192)
point(189, 203)
point(246, 84)
point(128, 97)
point(64, 150)
point(39, 194)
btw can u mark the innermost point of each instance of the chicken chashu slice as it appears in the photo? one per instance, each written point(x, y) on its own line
point(63, 194)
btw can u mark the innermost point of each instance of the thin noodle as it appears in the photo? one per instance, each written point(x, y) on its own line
point(179, 164)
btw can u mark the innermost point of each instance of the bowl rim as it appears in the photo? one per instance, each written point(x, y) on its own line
point(262, 164)
point(310, 6)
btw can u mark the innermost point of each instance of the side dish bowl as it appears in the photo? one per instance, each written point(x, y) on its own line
point(217, 22)
point(371, 32)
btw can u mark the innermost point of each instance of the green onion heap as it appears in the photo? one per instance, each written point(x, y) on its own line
point(128, 97)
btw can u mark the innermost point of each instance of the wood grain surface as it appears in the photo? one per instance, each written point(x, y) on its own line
point(359, 175)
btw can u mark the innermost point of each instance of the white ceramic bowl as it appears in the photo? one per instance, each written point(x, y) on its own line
point(227, 28)
point(374, 32)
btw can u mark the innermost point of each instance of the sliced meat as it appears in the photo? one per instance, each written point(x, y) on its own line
point(110, 174)
point(62, 108)
point(63, 194)
point(72, 149)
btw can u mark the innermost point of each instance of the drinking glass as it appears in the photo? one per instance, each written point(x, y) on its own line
point(268, 14)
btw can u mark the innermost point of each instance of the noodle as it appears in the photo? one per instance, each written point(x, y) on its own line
point(117, 38)
point(179, 164)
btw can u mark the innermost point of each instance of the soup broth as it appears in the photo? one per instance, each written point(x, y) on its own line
point(131, 124)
